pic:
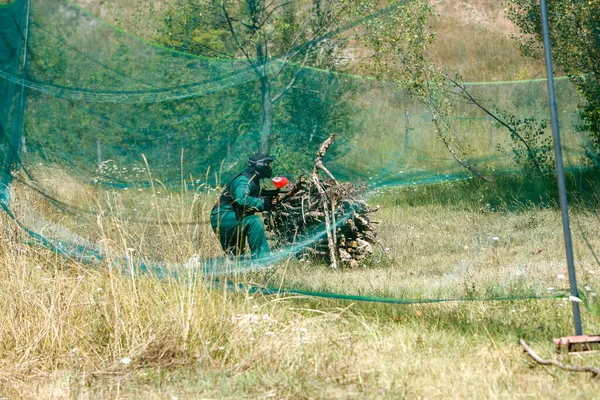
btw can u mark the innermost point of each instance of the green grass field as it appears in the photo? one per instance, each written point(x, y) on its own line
point(70, 330)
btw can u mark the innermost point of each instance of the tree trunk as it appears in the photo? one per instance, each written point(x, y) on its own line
point(265, 132)
point(265, 92)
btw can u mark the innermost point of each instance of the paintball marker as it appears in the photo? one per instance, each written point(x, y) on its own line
point(268, 195)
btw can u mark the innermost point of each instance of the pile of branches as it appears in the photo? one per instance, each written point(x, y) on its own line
point(326, 215)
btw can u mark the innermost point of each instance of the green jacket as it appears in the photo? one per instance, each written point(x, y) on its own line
point(241, 195)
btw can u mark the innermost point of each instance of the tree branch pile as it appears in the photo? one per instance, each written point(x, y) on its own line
point(327, 214)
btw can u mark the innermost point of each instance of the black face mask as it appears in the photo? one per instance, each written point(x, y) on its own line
point(265, 171)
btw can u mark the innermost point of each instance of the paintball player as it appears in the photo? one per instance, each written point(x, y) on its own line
point(234, 218)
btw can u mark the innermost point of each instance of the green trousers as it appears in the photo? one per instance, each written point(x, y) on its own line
point(233, 233)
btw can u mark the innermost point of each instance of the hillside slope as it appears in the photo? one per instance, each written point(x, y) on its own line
point(474, 36)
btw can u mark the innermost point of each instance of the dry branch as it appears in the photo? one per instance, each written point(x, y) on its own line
point(319, 205)
point(593, 370)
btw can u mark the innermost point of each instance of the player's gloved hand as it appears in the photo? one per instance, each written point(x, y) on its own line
point(270, 202)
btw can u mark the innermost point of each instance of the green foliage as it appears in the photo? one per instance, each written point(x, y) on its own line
point(277, 40)
point(575, 42)
point(510, 191)
point(399, 36)
point(213, 130)
point(531, 144)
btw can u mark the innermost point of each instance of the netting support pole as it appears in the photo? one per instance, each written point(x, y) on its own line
point(560, 173)
point(406, 129)
point(491, 123)
point(168, 148)
point(99, 154)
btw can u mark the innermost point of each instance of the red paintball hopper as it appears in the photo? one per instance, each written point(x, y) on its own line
point(280, 181)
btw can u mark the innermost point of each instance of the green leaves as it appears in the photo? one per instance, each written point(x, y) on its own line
point(575, 40)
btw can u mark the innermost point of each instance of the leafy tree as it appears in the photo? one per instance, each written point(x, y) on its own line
point(277, 39)
point(399, 36)
point(575, 41)
point(400, 41)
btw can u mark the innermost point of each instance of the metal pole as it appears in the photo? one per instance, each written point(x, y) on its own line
point(99, 154)
point(491, 124)
point(168, 148)
point(560, 173)
point(406, 129)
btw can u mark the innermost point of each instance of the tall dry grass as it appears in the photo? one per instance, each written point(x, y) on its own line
point(70, 329)
point(60, 316)
point(107, 318)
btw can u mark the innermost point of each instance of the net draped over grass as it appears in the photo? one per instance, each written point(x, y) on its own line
point(115, 150)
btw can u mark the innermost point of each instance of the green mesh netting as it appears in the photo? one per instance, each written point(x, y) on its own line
point(114, 150)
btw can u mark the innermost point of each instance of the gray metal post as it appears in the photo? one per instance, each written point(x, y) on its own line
point(99, 153)
point(491, 124)
point(168, 148)
point(406, 129)
point(560, 173)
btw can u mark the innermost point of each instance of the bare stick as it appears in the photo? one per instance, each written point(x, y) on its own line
point(319, 158)
point(330, 242)
point(462, 162)
point(295, 189)
point(315, 178)
point(594, 371)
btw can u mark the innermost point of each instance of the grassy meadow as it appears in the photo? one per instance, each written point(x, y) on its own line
point(74, 330)
point(103, 329)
